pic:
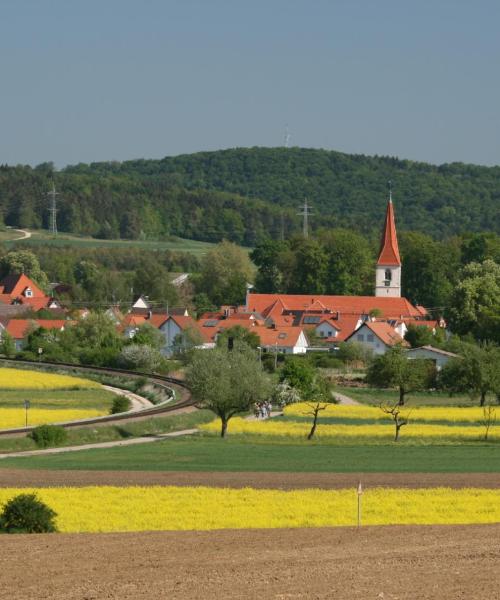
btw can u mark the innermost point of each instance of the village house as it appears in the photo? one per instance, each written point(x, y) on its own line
point(18, 289)
point(436, 355)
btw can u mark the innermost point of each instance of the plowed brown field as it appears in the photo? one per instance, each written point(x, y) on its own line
point(27, 478)
point(379, 563)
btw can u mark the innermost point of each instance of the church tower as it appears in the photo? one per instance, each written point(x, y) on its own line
point(388, 271)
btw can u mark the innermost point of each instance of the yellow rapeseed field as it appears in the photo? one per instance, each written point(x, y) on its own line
point(377, 432)
point(106, 508)
point(469, 414)
point(11, 418)
point(16, 379)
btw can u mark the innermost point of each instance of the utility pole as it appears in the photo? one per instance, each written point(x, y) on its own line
point(304, 213)
point(53, 210)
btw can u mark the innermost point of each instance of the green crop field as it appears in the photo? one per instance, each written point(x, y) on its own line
point(213, 454)
point(41, 237)
point(99, 399)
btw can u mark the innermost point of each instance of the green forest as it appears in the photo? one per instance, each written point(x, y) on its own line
point(246, 195)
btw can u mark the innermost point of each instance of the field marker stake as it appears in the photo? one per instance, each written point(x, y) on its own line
point(360, 493)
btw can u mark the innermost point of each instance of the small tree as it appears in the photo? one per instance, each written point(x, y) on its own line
point(419, 335)
point(399, 419)
point(300, 374)
point(284, 394)
point(46, 436)
point(314, 409)
point(239, 335)
point(7, 346)
point(140, 357)
point(476, 372)
point(227, 382)
point(395, 369)
point(26, 513)
point(488, 420)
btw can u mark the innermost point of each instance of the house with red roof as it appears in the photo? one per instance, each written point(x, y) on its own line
point(19, 329)
point(378, 336)
point(334, 319)
point(18, 288)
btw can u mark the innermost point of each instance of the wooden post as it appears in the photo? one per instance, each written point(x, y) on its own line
point(360, 493)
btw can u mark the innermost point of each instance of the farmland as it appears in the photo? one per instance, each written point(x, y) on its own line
point(53, 398)
point(42, 237)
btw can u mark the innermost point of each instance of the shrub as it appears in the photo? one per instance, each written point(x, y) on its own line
point(45, 436)
point(26, 513)
point(120, 404)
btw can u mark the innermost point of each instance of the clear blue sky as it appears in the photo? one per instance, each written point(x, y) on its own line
point(87, 80)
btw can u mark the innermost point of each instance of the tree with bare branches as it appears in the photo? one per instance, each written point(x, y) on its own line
point(399, 416)
point(315, 409)
point(488, 420)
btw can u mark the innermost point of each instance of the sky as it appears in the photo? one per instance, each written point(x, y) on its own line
point(86, 81)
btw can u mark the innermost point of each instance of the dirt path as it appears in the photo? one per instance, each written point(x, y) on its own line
point(26, 235)
point(345, 400)
point(127, 442)
point(286, 481)
point(375, 563)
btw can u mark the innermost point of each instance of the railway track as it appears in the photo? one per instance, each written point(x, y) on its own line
point(177, 385)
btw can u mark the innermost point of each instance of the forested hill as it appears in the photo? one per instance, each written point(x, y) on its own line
point(245, 193)
point(444, 199)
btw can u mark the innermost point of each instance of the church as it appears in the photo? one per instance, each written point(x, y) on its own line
point(380, 320)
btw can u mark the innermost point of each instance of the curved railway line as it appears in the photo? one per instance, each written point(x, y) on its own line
point(177, 385)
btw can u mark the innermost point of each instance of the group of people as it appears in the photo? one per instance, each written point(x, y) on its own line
point(262, 410)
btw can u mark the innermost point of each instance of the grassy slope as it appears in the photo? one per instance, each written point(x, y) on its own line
point(65, 239)
point(213, 454)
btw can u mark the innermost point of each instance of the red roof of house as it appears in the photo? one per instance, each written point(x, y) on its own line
point(389, 250)
point(271, 305)
point(18, 328)
point(385, 333)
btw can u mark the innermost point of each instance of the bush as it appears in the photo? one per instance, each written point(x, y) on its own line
point(26, 513)
point(120, 404)
point(45, 436)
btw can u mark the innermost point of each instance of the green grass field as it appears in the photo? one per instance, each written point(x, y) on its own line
point(214, 454)
point(41, 237)
point(375, 396)
point(99, 399)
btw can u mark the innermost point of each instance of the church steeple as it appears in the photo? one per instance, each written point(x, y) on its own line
point(388, 271)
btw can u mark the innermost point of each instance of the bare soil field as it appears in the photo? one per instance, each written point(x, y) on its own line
point(379, 563)
point(286, 481)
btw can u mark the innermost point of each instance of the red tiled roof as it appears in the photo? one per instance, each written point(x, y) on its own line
point(384, 332)
point(389, 250)
point(275, 304)
point(18, 328)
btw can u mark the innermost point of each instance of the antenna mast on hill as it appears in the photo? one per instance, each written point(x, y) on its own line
point(53, 210)
point(287, 137)
point(304, 213)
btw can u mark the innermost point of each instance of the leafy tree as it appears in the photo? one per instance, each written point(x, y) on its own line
point(225, 270)
point(239, 335)
point(350, 268)
point(24, 261)
point(476, 372)
point(26, 513)
point(475, 302)
point(285, 394)
point(226, 382)
point(267, 256)
point(148, 335)
point(395, 369)
point(7, 345)
point(300, 374)
point(310, 268)
point(140, 357)
point(419, 335)
point(352, 352)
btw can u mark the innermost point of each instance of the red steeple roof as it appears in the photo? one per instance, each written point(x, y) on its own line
point(389, 251)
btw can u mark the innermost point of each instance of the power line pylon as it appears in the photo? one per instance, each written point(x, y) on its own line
point(53, 210)
point(305, 212)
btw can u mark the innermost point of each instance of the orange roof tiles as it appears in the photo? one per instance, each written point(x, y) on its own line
point(389, 250)
point(276, 304)
point(385, 333)
point(18, 328)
